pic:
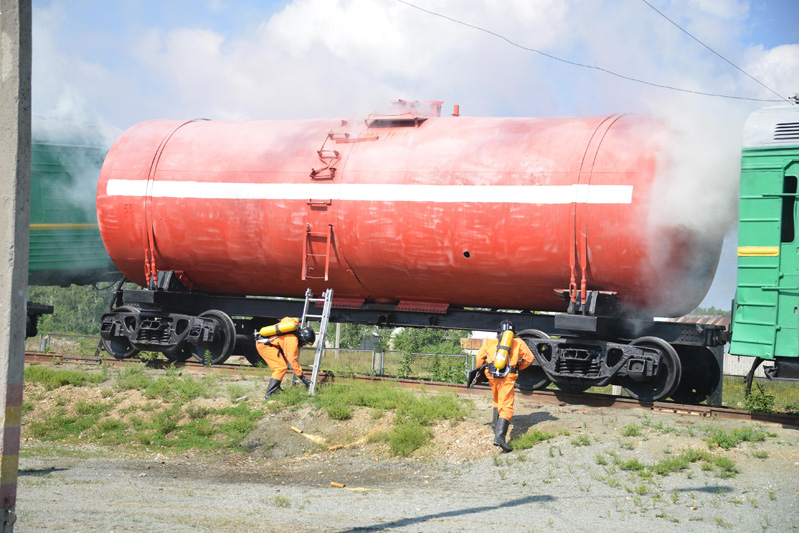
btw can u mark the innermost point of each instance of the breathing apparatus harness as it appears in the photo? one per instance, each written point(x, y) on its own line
point(499, 367)
point(269, 334)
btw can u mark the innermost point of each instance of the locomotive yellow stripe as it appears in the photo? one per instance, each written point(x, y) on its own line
point(35, 227)
point(758, 251)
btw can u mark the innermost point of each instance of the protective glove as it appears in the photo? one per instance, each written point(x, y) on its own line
point(476, 376)
point(305, 381)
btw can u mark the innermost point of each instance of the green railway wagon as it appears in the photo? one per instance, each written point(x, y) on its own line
point(65, 243)
point(765, 322)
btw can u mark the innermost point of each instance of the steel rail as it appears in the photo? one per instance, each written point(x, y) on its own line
point(540, 396)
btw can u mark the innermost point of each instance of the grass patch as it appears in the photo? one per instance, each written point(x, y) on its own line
point(171, 387)
point(668, 465)
point(53, 378)
point(581, 440)
point(631, 430)
point(779, 396)
point(61, 425)
point(169, 420)
point(407, 437)
point(414, 413)
point(530, 439)
point(632, 464)
point(280, 501)
point(731, 439)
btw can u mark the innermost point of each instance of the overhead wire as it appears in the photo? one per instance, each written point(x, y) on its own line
point(583, 65)
point(716, 53)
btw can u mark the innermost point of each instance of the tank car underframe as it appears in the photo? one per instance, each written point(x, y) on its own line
point(387, 315)
point(645, 356)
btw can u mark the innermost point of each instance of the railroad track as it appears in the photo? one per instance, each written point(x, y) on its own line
point(545, 396)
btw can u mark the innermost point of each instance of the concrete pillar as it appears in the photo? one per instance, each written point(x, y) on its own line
point(15, 166)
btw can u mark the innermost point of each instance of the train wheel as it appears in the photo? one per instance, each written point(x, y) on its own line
point(221, 346)
point(120, 347)
point(533, 377)
point(668, 376)
point(246, 347)
point(700, 375)
point(182, 354)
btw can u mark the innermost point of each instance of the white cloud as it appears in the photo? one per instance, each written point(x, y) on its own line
point(777, 68)
point(723, 9)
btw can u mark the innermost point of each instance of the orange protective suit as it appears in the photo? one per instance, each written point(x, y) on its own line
point(282, 351)
point(520, 358)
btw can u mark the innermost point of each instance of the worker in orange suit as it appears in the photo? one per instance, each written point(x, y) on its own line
point(501, 374)
point(283, 350)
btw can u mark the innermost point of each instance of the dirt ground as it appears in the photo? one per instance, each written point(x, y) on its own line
point(575, 481)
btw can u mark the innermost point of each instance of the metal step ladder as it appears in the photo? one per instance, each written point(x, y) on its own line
point(318, 239)
point(310, 304)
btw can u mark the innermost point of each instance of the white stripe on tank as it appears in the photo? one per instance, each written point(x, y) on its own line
point(508, 194)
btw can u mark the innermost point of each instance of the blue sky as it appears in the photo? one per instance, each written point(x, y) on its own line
point(124, 61)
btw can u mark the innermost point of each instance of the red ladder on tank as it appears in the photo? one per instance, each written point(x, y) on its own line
point(309, 250)
point(328, 157)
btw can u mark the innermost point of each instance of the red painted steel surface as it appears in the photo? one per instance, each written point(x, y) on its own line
point(487, 212)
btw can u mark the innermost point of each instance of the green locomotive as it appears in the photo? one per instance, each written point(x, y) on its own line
point(65, 243)
point(765, 322)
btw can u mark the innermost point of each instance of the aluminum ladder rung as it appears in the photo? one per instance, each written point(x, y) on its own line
point(320, 338)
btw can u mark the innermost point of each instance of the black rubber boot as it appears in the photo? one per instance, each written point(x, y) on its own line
point(499, 434)
point(494, 421)
point(272, 388)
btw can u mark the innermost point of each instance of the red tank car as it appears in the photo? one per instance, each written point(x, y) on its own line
point(414, 221)
point(421, 211)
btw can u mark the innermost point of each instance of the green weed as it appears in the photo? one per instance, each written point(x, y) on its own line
point(633, 464)
point(581, 440)
point(53, 378)
point(668, 465)
point(405, 438)
point(166, 421)
point(759, 401)
point(280, 501)
point(235, 391)
point(530, 439)
point(132, 378)
point(631, 430)
point(731, 439)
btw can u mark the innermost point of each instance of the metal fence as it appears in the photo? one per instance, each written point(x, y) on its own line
point(64, 344)
point(437, 367)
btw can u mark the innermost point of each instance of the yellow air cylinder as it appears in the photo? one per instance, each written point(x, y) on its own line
point(503, 350)
point(287, 325)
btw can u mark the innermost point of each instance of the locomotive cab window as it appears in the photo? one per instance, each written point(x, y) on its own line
point(788, 208)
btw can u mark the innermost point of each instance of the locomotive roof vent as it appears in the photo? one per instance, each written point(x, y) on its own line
point(772, 126)
point(786, 131)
